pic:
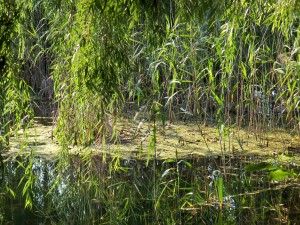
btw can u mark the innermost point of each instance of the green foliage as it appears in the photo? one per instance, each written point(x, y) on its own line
point(219, 185)
point(28, 180)
point(14, 92)
point(87, 190)
point(277, 171)
point(260, 166)
point(198, 59)
point(281, 175)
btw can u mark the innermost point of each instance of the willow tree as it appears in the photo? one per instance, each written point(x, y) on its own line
point(14, 92)
point(192, 58)
point(99, 50)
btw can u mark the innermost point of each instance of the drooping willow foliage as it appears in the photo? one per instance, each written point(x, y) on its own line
point(229, 62)
point(14, 92)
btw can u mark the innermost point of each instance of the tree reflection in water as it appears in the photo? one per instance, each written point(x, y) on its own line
point(89, 190)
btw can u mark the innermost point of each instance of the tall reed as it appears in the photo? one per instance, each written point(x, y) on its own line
point(239, 67)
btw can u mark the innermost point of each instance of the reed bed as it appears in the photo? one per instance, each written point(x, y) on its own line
point(234, 64)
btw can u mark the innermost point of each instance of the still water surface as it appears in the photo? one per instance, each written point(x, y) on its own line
point(91, 190)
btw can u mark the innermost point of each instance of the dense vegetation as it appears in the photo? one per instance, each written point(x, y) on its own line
point(230, 62)
point(90, 63)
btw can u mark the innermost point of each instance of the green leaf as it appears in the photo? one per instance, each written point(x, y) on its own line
point(217, 98)
point(220, 185)
point(169, 161)
point(281, 175)
point(11, 191)
point(260, 166)
point(188, 164)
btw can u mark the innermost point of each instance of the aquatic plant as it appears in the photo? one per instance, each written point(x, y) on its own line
point(88, 190)
point(276, 169)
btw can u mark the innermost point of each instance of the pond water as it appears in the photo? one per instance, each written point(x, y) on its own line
point(97, 190)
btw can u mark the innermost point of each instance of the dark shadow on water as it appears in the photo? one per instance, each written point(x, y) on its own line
point(98, 190)
point(46, 121)
point(36, 143)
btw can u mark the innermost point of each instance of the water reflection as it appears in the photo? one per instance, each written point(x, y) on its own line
point(89, 190)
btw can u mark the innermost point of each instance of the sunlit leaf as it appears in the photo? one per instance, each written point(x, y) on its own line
point(169, 161)
point(280, 175)
point(260, 166)
point(167, 172)
point(188, 164)
point(11, 191)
